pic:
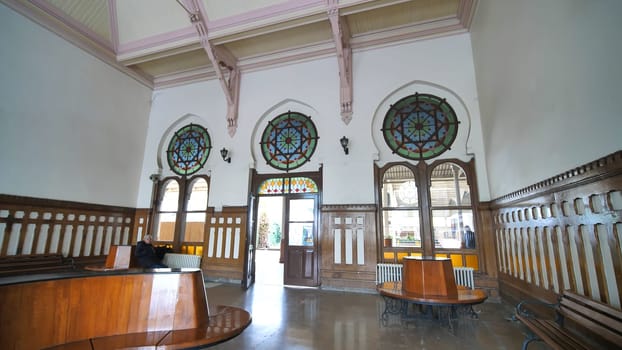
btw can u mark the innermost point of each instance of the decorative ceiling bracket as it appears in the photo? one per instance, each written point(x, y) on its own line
point(224, 63)
point(341, 36)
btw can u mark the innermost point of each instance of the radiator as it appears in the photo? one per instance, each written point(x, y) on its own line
point(393, 272)
point(464, 276)
point(388, 272)
point(175, 261)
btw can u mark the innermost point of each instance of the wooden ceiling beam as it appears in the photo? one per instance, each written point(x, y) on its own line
point(341, 37)
point(224, 63)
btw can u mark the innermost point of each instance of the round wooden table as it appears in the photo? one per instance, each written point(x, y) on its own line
point(397, 301)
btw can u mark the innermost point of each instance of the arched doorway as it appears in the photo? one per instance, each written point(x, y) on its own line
point(285, 218)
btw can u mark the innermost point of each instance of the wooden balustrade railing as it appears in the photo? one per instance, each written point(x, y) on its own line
point(78, 230)
point(563, 233)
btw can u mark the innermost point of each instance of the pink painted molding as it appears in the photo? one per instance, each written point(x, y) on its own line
point(157, 40)
point(263, 13)
point(72, 23)
point(114, 26)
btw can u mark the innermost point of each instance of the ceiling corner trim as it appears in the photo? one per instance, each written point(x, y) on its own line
point(466, 12)
point(72, 23)
point(114, 25)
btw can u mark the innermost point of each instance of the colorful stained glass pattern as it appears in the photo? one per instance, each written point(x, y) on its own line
point(420, 126)
point(188, 149)
point(289, 141)
point(288, 185)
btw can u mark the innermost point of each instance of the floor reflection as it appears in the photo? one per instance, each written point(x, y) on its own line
point(307, 318)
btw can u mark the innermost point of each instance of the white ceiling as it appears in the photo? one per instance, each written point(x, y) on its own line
point(155, 41)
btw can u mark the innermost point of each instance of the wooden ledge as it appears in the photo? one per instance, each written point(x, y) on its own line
point(226, 323)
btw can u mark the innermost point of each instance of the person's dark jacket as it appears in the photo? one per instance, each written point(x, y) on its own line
point(148, 256)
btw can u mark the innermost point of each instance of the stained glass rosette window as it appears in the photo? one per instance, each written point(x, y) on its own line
point(188, 149)
point(289, 141)
point(420, 126)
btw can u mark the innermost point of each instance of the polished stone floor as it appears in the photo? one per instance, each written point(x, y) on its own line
point(295, 318)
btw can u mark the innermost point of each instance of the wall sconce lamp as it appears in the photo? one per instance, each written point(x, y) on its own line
point(224, 153)
point(344, 144)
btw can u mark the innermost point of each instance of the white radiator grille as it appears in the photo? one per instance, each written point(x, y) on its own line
point(393, 272)
point(176, 261)
point(388, 272)
point(464, 276)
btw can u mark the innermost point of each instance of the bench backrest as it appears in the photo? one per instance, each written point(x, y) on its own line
point(599, 318)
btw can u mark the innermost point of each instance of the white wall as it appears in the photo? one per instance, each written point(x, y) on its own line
point(442, 65)
point(548, 75)
point(72, 127)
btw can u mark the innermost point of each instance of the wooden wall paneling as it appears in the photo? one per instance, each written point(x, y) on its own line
point(615, 251)
point(553, 235)
point(488, 241)
point(141, 225)
point(599, 267)
point(348, 246)
point(574, 284)
point(224, 246)
point(580, 260)
point(562, 233)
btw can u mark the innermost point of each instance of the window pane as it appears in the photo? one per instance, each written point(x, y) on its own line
point(301, 234)
point(399, 188)
point(403, 227)
point(170, 199)
point(195, 224)
point(449, 186)
point(198, 196)
point(166, 227)
point(453, 229)
point(301, 209)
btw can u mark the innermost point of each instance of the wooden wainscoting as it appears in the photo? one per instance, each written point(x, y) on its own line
point(83, 231)
point(225, 242)
point(348, 246)
point(141, 224)
point(563, 233)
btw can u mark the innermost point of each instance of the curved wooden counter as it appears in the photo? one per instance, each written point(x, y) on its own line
point(164, 307)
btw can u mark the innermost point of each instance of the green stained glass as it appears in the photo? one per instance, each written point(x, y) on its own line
point(420, 126)
point(188, 149)
point(289, 141)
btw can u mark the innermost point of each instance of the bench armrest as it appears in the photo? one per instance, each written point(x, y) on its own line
point(523, 311)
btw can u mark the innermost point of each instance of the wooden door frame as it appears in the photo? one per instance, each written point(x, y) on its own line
point(257, 179)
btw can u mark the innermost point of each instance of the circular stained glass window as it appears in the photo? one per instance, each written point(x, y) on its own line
point(420, 126)
point(188, 149)
point(289, 141)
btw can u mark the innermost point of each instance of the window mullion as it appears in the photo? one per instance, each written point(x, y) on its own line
point(425, 212)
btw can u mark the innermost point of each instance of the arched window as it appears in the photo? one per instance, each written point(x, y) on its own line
point(400, 208)
point(428, 210)
point(167, 213)
point(181, 206)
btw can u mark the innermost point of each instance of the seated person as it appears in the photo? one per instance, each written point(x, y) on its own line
point(147, 255)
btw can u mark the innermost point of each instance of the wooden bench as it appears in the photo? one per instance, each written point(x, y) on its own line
point(130, 308)
point(34, 263)
point(227, 322)
point(580, 323)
